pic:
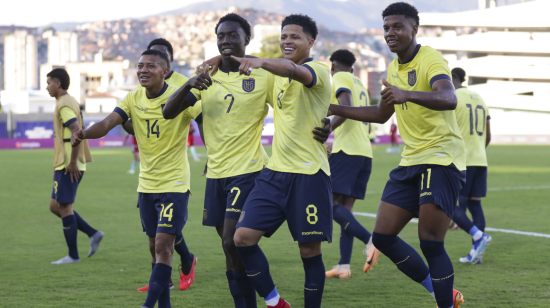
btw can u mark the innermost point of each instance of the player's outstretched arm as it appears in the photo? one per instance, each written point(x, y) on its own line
point(129, 128)
point(443, 97)
point(380, 113)
point(279, 67)
point(72, 167)
point(179, 101)
point(344, 99)
point(97, 130)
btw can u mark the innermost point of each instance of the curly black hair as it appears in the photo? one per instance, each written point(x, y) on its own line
point(163, 42)
point(159, 53)
point(460, 73)
point(308, 25)
point(343, 56)
point(61, 75)
point(402, 8)
point(245, 25)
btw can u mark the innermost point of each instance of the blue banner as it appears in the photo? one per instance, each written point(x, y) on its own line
point(3, 130)
point(44, 129)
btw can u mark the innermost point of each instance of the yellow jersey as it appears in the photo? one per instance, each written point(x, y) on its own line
point(352, 137)
point(67, 116)
point(298, 110)
point(164, 167)
point(233, 113)
point(472, 114)
point(430, 136)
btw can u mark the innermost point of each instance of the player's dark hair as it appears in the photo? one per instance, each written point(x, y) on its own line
point(158, 53)
point(308, 25)
point(343, 56)
point(61, 75)
point(163, 42)
point(460, 73)
point(402, 8)
point(245, 25)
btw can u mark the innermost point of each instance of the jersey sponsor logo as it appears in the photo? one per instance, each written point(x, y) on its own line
point(165, 225)
point(141, 109)
point(312, 233)
point(428, 193)
point(217, 81)
point(249, 84)
point(179, 183)
point(412, 78)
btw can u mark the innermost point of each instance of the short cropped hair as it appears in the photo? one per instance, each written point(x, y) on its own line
point(61, 75)
point(344, 57)
point(163, 42)
point(304, 21)
point(402, 8)
point(245, 25)
point(159, 53)
point(460, 73)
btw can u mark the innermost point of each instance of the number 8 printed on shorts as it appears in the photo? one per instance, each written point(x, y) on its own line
point(312, 215)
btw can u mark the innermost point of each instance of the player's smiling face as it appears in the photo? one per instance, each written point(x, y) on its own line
point(232, 40)
point(399, 32)
point(295, 44)
point(150, 72)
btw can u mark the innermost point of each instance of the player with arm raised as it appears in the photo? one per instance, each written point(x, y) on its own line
point(472, 115)
point(432, 170)
point(295, 185)
point(69, 166)
point(164, 176)
point(350, 163)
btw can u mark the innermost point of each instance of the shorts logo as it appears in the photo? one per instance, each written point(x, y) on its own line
point(428, 193)
point(204, 214)
point(312, 233)
point(249, 84)
point(412, 78)
point(241, 217)
point(233, 210)
point(165, 225)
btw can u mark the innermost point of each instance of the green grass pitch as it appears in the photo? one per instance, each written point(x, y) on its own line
point(515, 272)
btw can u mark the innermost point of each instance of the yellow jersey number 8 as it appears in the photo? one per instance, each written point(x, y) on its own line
point(311, 211)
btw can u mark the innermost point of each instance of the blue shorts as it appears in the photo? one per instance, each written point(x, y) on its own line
point(64, 191)
point(224, 198)
point(163, 212)
point(350, 174)
point(409, 187)
point(476, 182)
point(304, 201)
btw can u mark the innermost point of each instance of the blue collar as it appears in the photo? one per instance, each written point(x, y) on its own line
point(416, 50)
point(160, 93)
point(235, 71)
point(307, 60)
point(169, 75)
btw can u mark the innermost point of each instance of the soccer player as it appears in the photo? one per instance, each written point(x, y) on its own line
point(191, 143)
point(393, 138)
point(295, 185)
point(472, 115)
point(135, 152)
point(188, 260)
point(350, 163)
point(69, 166)
point(432, 170)
point(164, 175)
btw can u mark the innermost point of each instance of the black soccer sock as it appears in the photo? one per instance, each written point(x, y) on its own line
point(346, 246)
point(185, 256)
point(462, 219)
point(247, 289)
point(477, 214)
point(234, 289)
point(70, 230)
point(463, 202)
point(257, 269)
point(160, 279)
point(164, 298)
point(402, 255)
point(83, 225)
point(441, 270)
point(315, 281)
point(346, 219)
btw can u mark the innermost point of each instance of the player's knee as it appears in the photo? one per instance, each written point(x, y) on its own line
point(54, 208)
point(382, 241)
point(228, 244)
point(242, 239)
point(308, 250)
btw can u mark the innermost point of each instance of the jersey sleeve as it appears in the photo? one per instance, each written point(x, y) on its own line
point(195, 112)
point(314, 68)
point(436, 68)
point(339, 84)
point(123, 108)
point(67, 116)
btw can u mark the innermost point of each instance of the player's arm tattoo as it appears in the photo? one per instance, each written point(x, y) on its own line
point(110, 119)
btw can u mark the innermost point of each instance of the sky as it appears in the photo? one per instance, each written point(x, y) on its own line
point(41, 13)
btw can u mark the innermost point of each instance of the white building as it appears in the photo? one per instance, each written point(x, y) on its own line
point(63, 47)
point(261, 32)
point(20, 61)
point(505, 51)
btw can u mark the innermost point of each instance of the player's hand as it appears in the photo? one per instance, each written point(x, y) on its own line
point(329, 112)
point(77, 137)
point(392, 95)
point(74, 173)
point(329, 149)
point(322, 134)
point(205, 169)
point(200, 82)
point(209, 65)
point(248, 64)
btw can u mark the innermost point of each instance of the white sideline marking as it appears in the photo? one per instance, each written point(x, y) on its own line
point(487, 229)
point(492, 188)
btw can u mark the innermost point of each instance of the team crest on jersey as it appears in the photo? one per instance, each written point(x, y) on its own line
point(249, 84)
point(412, 78)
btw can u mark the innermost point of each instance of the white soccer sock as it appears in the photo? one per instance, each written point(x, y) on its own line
point(478, 235)
point(343, 267)
point(274, 301)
